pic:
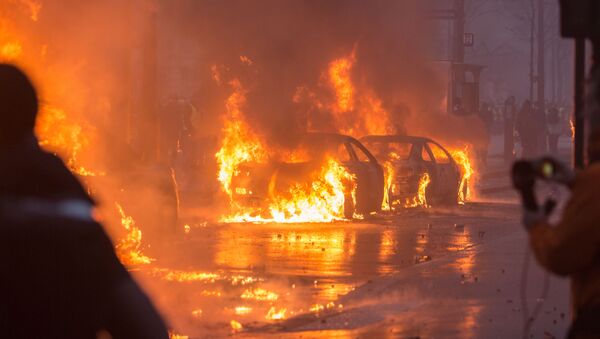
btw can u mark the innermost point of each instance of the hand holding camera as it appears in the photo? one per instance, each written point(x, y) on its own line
point(524, 176)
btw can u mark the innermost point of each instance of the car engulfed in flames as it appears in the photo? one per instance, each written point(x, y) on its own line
point(327, 177)
point(420, 172)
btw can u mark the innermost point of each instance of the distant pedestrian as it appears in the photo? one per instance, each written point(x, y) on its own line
point(527, 129)
point(541, 128)
point(487, 118)
point(510, 112)
point(555, 129)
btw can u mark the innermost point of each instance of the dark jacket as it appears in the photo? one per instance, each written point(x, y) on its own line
point(59, 275)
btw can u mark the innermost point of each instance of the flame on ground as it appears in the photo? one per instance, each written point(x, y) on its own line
point(259, 294)
point(276, 314)
point(128, 248)
point(236, 326)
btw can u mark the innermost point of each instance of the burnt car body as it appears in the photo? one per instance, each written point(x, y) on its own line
point(253, 183)
point(412, 157)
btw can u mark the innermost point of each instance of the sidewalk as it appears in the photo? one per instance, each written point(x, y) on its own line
point(472, 294)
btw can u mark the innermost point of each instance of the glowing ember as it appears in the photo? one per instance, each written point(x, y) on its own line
point(173, 335)
point(128, 248)
point(259, 294)
point(183, 276)
point(197, 313)
point(10, 51)
point(236, 326)
point(275, 314)
point(243, 310)
point(317, 308)
point(211, 293)
point(203, 277)
point(421, 198)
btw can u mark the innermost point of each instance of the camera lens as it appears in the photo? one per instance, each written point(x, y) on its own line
point(547, 169)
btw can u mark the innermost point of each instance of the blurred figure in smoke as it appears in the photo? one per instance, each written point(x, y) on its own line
point(555, 129)
point(172, 116)
point(59, 276)
point(540, 127)
point(510, 112)
point(486, 115)
point(526, 127)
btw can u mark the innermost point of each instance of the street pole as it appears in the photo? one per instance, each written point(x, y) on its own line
point(541, 69)
point(531, 51)
point(149, 104)
point(579, 118)
point(459, 31)
point(541, 77)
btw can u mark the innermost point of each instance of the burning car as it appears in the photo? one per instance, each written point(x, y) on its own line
point(418, 171)
point(326, 177)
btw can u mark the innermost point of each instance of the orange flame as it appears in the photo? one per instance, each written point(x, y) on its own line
point(259, 294)
point(340, 77)
point(276, 314)
point(465, 190)
point(421, 198)
point(239, 144)
point(128, 248)
point(321, 199)
point(389, 173)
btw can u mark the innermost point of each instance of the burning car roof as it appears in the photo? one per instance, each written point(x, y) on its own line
point(395, 138)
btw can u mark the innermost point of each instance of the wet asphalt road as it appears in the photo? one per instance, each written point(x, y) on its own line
point(253, 274)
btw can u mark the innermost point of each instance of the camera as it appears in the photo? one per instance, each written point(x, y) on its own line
point(524, 175)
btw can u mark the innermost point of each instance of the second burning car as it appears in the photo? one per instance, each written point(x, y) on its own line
point(419, 171)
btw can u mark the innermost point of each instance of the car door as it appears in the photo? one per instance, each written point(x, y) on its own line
point(446, 169)
point(369, 177)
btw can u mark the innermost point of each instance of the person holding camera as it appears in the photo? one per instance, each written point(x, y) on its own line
point(572, 247)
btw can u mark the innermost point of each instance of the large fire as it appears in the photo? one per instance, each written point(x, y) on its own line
point(319, 198)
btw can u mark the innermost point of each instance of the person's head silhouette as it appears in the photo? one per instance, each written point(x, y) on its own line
point(18, 105)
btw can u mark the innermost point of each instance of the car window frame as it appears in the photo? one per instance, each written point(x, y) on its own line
point(352, 142)
point(450, 159)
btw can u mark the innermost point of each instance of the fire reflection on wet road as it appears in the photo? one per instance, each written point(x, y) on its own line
point(235, 277)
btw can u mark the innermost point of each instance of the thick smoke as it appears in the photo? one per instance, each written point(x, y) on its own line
point(290, 45)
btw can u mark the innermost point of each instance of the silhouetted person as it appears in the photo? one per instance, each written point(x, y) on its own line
point(555, 129)
point(510, 113)
point(59, 275)
point(527, 129)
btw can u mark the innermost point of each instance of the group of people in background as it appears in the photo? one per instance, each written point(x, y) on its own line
point(536, 128)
